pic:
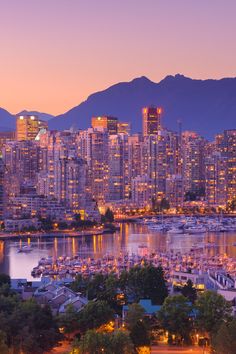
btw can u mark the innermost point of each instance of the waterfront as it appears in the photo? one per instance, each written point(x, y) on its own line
point(128, 239)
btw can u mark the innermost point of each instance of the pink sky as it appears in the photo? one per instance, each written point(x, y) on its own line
point(54, 53)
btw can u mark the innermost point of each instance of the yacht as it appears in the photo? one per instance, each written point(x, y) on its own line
point(196, 230)
point(24, 249)
point(175, 230)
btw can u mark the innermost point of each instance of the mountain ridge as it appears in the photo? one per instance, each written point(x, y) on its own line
point(199, 104)
point(206, 106)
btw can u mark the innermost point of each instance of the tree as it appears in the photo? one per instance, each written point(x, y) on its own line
point(95, 286)
point(134, 315)
point(164, 205)
point(109, 291)
point(117, 342)
point(94, 314)
point(175, 317)
point(224, 341)
point(212, 310)
point(3, 345)
point(4, 279)
point(139, 334)
point(189, 291)
point(69, 320)
point(154, 285)
point(95, 343)
point(147, 282)
point(121, 343)
point(34, 329)
point(79, 285)
point(109, 216)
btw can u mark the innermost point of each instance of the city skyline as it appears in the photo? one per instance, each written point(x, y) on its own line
point(55, 55)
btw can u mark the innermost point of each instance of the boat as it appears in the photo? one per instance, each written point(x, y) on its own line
point(24, 249)
point(175, 230)
point(196, 230)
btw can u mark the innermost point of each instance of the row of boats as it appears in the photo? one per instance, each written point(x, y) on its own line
point(191, 261)
point(191, 225)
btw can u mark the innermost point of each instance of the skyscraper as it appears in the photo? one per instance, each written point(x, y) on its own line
point(28, 127)
point(106, 122)
point(151, 120)
point(193, 154)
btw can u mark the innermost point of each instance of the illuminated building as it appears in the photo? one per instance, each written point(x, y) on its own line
point(229, 144)
point(71, 183)
point(216, 180)
point(28, 127)
point(142, 191)
point(151, 120)
point(21, 159)
point(6, 136)
point(193, 155)
point(174, 190)
point(123, 128)
point(1, 189)
point(118, 167)
point(106, 122)
point(134, 156)
point(93, 148)
point(160, 160)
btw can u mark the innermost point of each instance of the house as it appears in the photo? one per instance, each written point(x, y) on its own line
point(59, 297)
point(147, 305)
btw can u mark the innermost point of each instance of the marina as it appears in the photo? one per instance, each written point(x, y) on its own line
point(132, 238)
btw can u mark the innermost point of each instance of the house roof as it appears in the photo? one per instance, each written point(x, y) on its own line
point(149, 308)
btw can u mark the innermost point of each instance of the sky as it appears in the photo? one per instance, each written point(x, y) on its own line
point(54, 53)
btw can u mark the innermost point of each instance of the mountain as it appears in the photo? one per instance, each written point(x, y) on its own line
point(206, 106)
point(7, 121)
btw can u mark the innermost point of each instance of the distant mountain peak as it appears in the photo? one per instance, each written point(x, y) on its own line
point(200, 104)
point(141, 79)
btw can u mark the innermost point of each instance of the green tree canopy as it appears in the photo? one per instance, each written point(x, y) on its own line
point(224, 341)
point(4, 279)
point(94, 314)
point(69, 320)
point(174, 317)
point(147, 282)
point(212, 311)
point(139, 334)
point(94, 342)
point(189, 291)
point(135, 314)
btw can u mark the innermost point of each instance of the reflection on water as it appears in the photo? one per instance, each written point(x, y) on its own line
point(128, 239)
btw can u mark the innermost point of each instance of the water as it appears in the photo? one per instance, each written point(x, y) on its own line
point(128, 239)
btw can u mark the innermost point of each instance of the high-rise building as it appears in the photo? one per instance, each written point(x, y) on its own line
point(151, 120)
point(193, 155)
point(6, 136)
point(135, 156)
point(93, 147)
point(105, 122)
point(142, 191)
point(118, 167)
point(175, 191)
point(216, 180)
point(28, 127)
point(123, 128)
point(160, 160)
point(230, 151)
point(1, 188)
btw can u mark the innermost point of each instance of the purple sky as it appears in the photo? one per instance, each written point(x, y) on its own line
point(54, 53)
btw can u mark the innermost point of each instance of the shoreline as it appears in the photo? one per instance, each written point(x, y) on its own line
point(58, 234)
point(89, 232)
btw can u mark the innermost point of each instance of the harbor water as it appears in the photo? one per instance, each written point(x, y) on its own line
point(127, 240)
